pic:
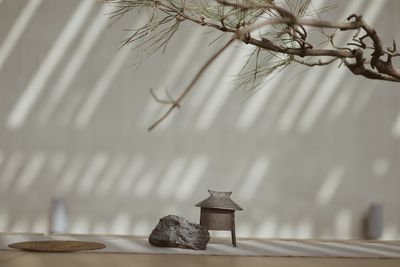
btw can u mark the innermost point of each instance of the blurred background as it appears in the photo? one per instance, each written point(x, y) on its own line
point(305, 157)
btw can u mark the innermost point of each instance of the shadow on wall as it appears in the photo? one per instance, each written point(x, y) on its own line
point(305, 156)
point(104, 194)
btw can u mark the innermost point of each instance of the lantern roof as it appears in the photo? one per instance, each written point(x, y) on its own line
point(219, 200)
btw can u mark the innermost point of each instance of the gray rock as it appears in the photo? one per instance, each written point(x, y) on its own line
point(175, 231)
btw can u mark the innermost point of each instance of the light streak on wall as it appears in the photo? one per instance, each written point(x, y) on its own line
point(268, 227)
point(343, 222)
point(396, 128)
point(30, 172)
point(40, 224)
point(192, 176)
point(21, 225)
point(276, 106)
point(257, 172)
point(4, 220)
point(69, 107)
point(256, 102)
point(141, 227)
point(104, 82)
point(75, 64)
point(202, 89)
point(304, 229)
point(286, 230)
point(1, 158)
point(38, 83)
point(360, 101)
point(17, 30)
point(380, 167)
point(130, 175)
point(298, 100)
point(56, 163)
point(333, 77)
point(95, 168)
point(80, 225)
point(111, 175)
point(174, 72)
point(146, 183)
point(70, 176)
point(222, 90)
point(121, 223)
point(323, 93)
point(341, 102)
point(330, 186)
point(10, 170)
point(171, 177)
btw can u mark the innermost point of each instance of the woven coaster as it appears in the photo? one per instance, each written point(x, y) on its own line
point(57, 246)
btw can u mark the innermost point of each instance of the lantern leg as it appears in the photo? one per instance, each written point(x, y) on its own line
point(233, 230)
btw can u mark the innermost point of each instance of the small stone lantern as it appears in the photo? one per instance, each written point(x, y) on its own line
point(218, 212)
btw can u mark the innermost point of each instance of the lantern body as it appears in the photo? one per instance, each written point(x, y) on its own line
point(217, 219)
point(218, 213)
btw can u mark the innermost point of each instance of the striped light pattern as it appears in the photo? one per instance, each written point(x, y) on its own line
point(246, 247)
point(305, 155)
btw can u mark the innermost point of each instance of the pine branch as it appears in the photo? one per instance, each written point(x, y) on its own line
point(269, 27)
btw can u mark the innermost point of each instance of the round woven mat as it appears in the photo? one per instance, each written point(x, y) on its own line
point(57, 246)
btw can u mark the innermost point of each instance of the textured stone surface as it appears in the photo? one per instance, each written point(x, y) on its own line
point(175, 231)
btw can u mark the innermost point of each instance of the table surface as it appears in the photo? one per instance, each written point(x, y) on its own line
point(14, 259)
point(135, 251)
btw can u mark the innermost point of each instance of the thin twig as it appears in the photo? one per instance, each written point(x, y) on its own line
point(192, 83)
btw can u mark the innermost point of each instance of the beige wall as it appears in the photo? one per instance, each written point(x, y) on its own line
point(305, 156)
